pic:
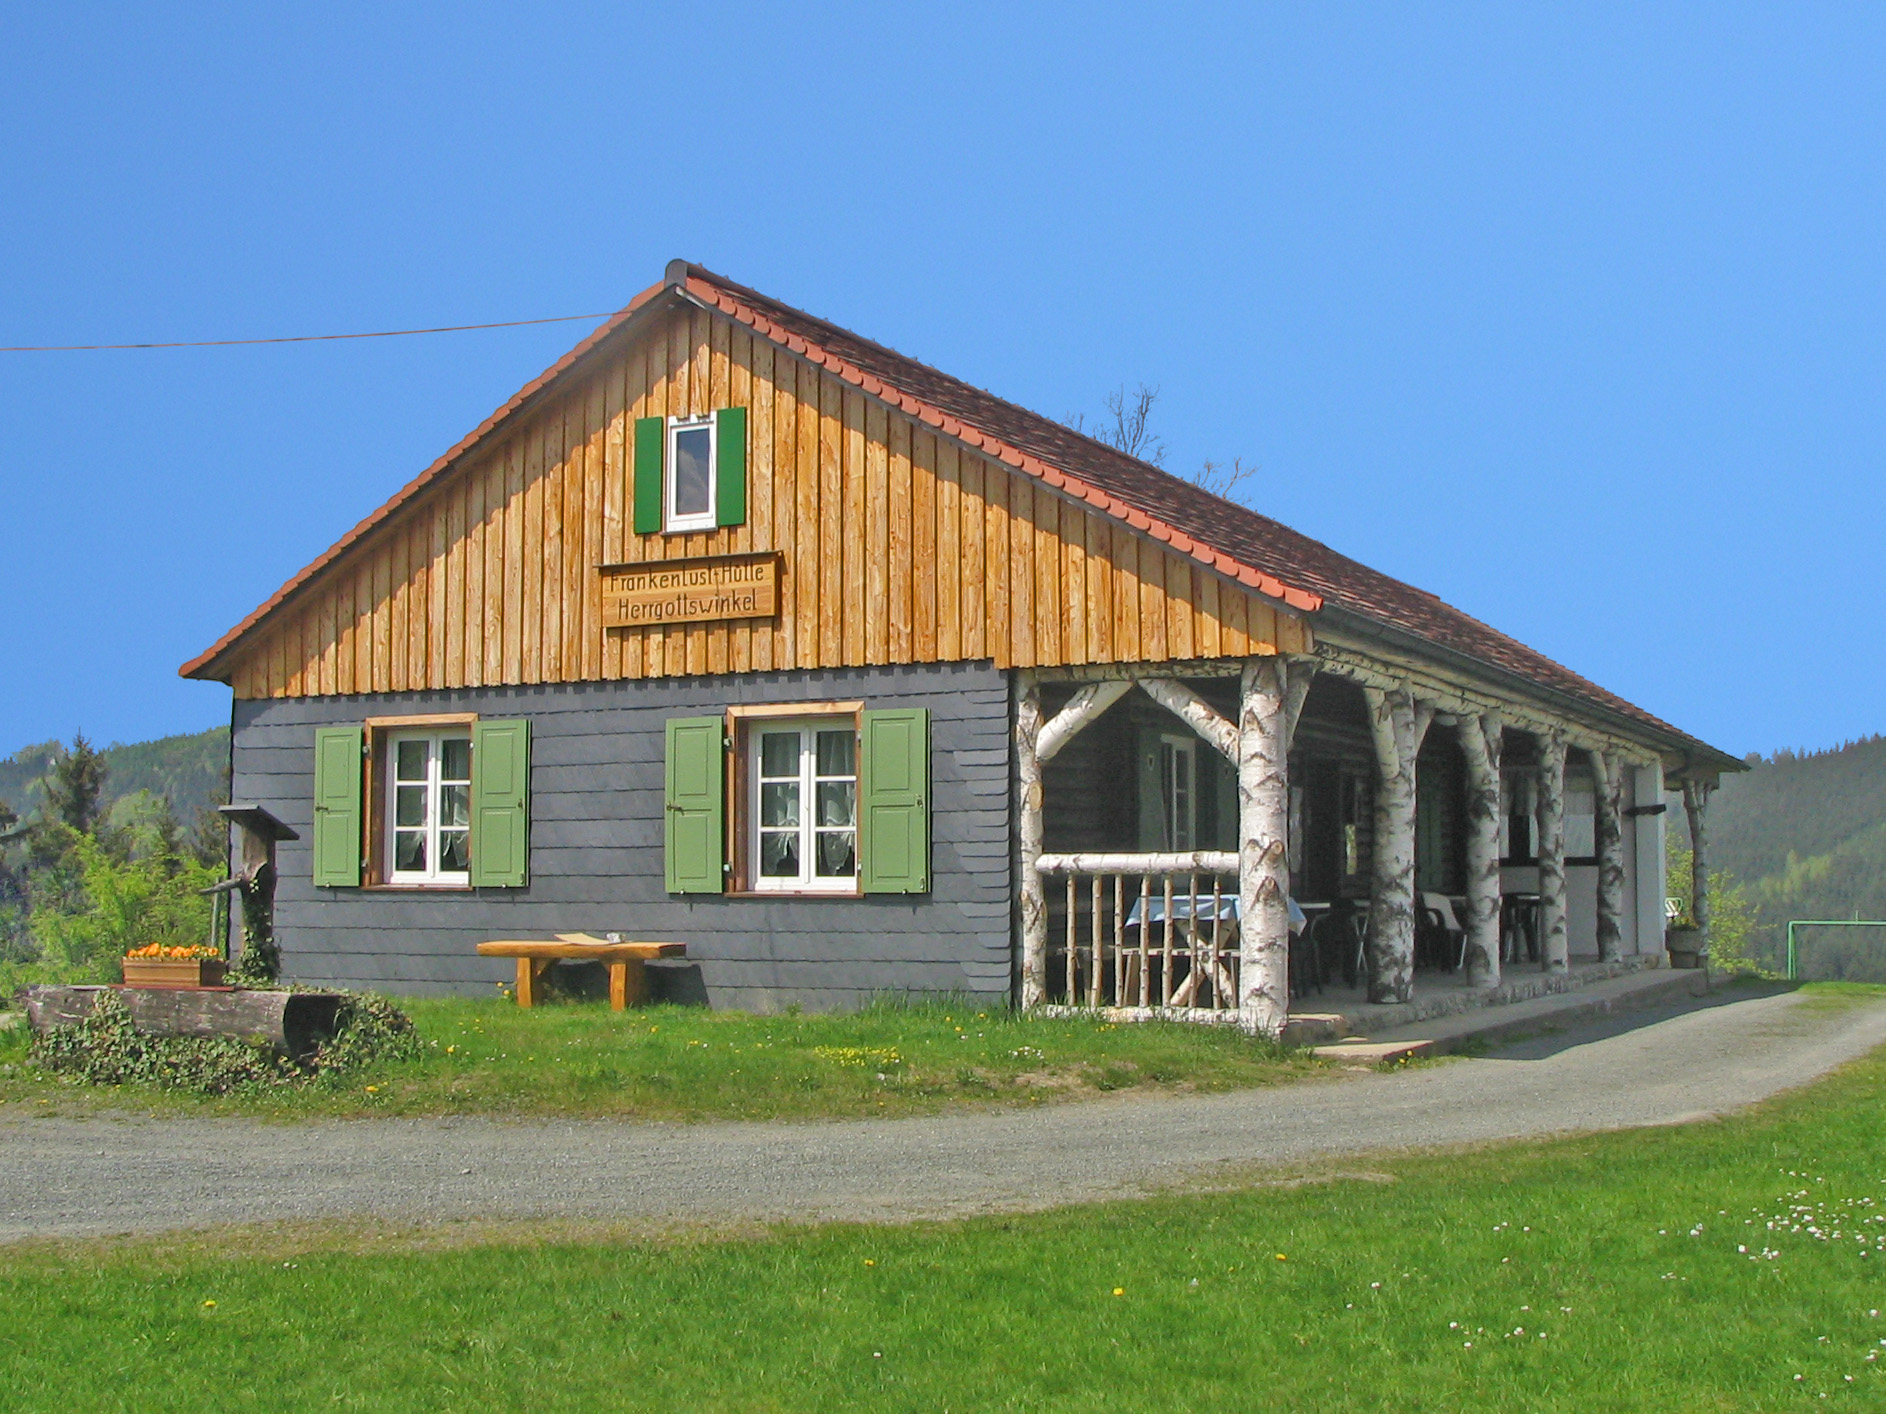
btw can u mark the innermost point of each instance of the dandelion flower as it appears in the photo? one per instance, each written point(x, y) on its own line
point(1119, 1291)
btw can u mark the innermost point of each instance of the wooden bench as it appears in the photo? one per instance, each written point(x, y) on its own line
point(628, 979)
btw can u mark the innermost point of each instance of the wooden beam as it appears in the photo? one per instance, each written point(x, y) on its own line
point(1196, 713)
point(1084, 707)
point(1204, 861)
point(1302, 673)
point(1460, 700)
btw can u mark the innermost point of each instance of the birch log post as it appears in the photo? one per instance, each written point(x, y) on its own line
point(1083, 709)
point(1033, 895)
point(1608, 784)
point(1480, 744)
point(1196, 713)
point(1695, 809)
point(1554, 944)
point(1301, 673)
point(1263, 835)
point(1397, 723)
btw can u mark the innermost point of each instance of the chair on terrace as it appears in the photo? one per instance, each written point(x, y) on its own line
point(1440, 941)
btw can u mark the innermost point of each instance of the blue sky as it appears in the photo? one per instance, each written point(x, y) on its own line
point(1571, 315)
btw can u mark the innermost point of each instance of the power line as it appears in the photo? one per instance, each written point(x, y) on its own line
point(298, 338)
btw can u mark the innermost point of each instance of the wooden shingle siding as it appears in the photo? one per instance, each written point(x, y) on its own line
point(900, 545)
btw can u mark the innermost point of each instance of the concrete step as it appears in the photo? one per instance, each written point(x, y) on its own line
point(1315, 1028)
point(1373, 1052)
point(1490, 1025)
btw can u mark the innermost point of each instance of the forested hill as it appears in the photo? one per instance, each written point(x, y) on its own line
point(187, 769)
point(1805, 835)
point(1807, 805)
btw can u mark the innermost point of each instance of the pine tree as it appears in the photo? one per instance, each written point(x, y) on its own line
point(76, 785)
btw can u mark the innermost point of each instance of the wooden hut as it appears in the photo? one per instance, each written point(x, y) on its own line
point(738, 629)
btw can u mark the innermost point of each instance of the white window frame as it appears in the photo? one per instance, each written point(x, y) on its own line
point(673, 522)
point(808, 880)
point(432, 874)
point(1581, 814)
point(1178, 800)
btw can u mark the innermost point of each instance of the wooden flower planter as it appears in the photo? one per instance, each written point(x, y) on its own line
point(173, 972)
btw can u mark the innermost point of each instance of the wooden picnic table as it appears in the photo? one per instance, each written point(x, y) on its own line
point(628, 978)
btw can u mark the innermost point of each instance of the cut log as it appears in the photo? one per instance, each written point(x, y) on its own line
point(1397, 724)
point(1696, 808)
point(1204, 861)
point(293, 1023)
point(1554, 941)
point(1196, 713)
point(1302, 672)
point(1263, 863)
point(1028, 828)
point(1083, 708)
point(1480, 744)
point(1608, 783)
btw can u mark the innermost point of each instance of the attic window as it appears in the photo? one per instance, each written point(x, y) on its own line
point(688, 498)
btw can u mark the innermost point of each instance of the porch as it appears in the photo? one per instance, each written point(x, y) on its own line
point(1264, 839)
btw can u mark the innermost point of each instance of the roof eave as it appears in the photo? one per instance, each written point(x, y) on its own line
point(209, 665)
point(709, 296)
point(1695, 755)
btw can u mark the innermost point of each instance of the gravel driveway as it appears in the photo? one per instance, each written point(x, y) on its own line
point(94, 1176)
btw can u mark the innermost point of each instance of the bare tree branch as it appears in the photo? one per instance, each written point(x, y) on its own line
point(1128, 429)
point(1131, 431)
point(1222, 480)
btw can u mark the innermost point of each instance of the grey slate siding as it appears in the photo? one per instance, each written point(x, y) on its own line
point(596, 846)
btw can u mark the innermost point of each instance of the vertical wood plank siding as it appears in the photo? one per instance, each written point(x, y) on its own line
point(900, 546)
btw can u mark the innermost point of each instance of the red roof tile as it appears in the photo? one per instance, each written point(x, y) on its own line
point(1252, 549)
point(1249, 547)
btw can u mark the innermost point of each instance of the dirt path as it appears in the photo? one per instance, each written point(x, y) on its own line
point(92, 1176)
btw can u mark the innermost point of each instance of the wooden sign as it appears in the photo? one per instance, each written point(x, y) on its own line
point(659, 592)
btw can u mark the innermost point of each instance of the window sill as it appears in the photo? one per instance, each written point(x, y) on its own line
point(799, 894)
point(417, 888)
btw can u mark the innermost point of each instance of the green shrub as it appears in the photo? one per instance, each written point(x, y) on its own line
point(126, 904)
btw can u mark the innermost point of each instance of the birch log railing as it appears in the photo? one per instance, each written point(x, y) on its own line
point(1148, 933)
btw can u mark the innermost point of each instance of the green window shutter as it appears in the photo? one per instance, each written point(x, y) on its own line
point(500, 804)
point(692, 833)
point(649, 432)
point(337, 769)
point(730, 467)
point(894, 791)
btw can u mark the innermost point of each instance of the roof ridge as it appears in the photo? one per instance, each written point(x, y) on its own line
point(1222, 535)
point(1323, 584)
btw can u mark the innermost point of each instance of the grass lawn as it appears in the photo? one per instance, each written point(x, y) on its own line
point(1734, 1265)
point(687, 1063)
